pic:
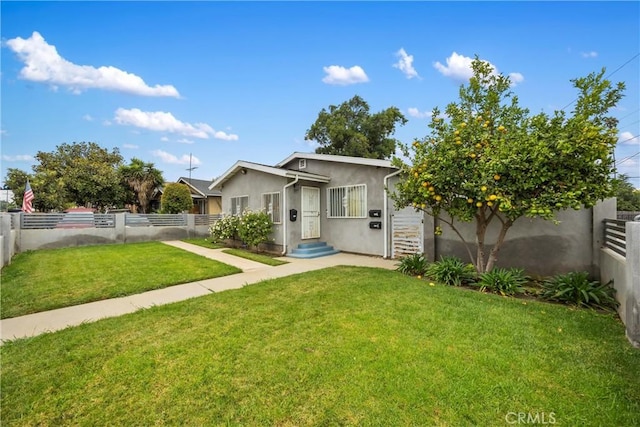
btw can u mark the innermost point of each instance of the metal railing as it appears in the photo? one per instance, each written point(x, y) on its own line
point(155, 220)
point(615, 236)
point(34, 221)
point(207, 219)
point(627, 215)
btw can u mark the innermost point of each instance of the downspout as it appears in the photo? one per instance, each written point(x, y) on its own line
point(285, 219)
point(385, 226)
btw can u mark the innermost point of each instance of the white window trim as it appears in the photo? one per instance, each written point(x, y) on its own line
point(234, 203)
point(364, 202)
point(302, 163)
point(266, 208)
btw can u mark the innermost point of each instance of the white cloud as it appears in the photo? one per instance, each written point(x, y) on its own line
point(164, 139)
point(130, 146)
point(337, 75)
point(414, 112)
point(592, 54)
point(628, 138)
point(44, 64)
point(165, 122)
point(3, 132)
point(185, 141)
point(87, 117)
point(459, 68)
point(18, 158)
point(516, 78)
point(405, 64)
point(171, 159)
point(225, 136)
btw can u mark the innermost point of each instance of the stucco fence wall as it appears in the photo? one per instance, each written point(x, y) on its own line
point(625, 273)
point(540, 247)
point(20, 240)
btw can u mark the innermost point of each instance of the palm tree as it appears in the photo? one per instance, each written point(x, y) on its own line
point(142, 178)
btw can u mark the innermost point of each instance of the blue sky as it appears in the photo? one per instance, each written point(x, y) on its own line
point(245, 80)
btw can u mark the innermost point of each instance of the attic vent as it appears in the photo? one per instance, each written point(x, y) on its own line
point(302, 163)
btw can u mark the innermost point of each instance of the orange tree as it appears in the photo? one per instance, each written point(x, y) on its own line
point(490, 160)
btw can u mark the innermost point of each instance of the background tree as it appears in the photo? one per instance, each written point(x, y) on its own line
point(349, 129)
point(628, 197)
point(83, 174)
point(176, 198)
point(491, 161)
point(142, 178)
point(15, 181)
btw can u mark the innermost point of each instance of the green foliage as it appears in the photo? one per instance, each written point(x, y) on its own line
point(503, 281)
point(77, 174)
point(576, 288)
point(628, 197)
point(349, 129)
point(491, 160)
point(451, 271)
point(225, 228)
point(81, 173)
point(252, 227)
point(255, 227)
point(142, 178)
point(16, 181)
point(176, 198)
point(413, 265)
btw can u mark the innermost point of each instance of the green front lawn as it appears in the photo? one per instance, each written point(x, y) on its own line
point(262, 258)
point(205, 243)
point(342, 346)
point(48, 279)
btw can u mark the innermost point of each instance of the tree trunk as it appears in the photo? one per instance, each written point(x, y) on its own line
point(493, 255)
point(481, 229)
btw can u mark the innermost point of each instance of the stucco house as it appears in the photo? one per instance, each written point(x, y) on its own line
point(315, 199)
point(205, 200)
point(342, 201)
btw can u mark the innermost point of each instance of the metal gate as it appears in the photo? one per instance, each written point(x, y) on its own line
point(407, 233)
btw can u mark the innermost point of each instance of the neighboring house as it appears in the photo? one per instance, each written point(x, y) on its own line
point(315, 198)
point(205, 201)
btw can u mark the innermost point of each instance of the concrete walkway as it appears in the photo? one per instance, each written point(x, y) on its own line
point(252, 272)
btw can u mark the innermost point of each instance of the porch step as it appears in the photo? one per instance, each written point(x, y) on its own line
point(312, 250)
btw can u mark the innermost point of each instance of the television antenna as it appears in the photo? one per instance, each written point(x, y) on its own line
point(191, 168)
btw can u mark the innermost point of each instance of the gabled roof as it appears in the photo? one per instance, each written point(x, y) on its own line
point(201, 186)
point(241, 164)
point(339, 159)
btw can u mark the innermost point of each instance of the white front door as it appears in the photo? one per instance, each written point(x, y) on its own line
point(310, 212)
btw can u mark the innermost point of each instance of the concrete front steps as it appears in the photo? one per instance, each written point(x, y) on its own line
point(312, 250)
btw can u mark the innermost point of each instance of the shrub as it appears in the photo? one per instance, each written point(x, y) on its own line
point(451, 271)
point(255, 227)
point(225, 228)
point(503, 281)
point(576, 288)
point(413, 265)
point(176, 198)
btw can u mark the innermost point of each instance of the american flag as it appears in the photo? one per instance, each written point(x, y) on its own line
point(27, 205)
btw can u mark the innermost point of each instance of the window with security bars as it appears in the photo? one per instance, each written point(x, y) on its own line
point(239, 204)
point(347, 202)
point(271, 205)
